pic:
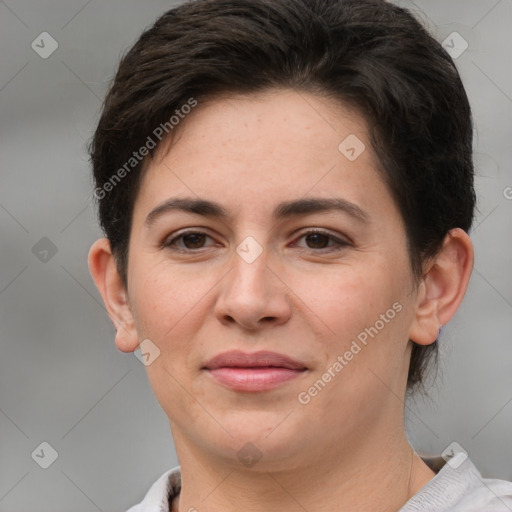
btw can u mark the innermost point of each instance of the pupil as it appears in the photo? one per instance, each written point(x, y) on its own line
point(193, 240)
point(317, 240)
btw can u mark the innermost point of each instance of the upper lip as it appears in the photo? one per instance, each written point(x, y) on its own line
point(262, 359)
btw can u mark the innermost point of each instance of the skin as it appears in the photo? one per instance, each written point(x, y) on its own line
point(346, 449)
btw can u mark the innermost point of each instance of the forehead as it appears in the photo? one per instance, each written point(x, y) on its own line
point(293, 124)
point(261, 149)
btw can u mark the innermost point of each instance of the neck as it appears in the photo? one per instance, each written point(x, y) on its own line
point(375, 477)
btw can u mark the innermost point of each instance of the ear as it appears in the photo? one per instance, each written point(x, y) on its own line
point(104, 271)
point(443, 287)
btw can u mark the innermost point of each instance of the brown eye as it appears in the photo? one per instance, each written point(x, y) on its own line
point(317, 240)
point(194, 240)
point(321, 242)
point(189, 241)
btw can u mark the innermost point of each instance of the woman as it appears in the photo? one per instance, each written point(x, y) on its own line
point(286, 190)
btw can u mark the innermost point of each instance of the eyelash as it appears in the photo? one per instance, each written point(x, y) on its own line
point(338, 243)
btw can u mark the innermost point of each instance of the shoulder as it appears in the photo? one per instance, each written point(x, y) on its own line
point(161, 493)
point(459, 487)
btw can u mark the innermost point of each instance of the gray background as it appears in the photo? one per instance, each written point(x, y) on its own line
point(61, 378)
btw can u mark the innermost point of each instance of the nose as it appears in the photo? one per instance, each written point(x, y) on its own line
point(252, 296)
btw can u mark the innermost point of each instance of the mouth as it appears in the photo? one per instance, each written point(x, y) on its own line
point(260, 371)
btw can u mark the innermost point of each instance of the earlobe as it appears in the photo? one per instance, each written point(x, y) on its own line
point(104, 272)
point(443, 287)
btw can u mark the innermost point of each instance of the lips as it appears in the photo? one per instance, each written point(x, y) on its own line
point(253, 373)
point(262, 359)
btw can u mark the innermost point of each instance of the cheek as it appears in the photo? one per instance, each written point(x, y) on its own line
point(363, 308)
point(169, 309)
point(166, 299)
point(348, 298)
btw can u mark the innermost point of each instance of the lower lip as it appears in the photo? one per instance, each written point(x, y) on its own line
point(254, 379)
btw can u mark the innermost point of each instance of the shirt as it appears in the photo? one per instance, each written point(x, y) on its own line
point(457, 487)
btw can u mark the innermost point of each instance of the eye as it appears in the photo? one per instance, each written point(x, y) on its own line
point(315, 240)
point(321, 240)
point(188, 241)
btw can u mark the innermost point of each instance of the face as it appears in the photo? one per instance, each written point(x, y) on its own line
point(302, 252)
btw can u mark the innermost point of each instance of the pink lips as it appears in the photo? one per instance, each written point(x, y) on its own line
point(260, 371)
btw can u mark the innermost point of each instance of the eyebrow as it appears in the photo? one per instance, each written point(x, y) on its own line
point(283, 210)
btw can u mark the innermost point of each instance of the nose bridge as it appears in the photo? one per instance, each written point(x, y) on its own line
point(251, 292)
point(250, 272)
